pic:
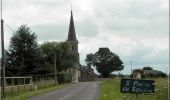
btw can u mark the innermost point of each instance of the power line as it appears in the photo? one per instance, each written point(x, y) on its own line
point(9, 27)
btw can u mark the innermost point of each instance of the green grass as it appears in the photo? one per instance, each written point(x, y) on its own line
point(110, 90)
point(24, 95)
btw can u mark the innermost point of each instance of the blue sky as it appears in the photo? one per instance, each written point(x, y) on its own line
point(136, 30)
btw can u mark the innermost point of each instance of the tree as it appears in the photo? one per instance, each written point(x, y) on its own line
point(147, 68)
point(65, 58)
point(89, 59)
point(104, 61)
point(24, 55)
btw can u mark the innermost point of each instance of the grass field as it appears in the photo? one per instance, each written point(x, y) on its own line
point(24, 95)
point(110, 90)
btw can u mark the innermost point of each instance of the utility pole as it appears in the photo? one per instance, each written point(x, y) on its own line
point(3, 58)
point(131, 66)
point(55, 69)
point(166, 70)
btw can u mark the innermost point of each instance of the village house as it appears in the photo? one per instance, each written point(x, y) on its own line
point(153, 73)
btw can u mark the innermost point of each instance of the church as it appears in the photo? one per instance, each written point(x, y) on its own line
point(78, 72)
point(73, 42)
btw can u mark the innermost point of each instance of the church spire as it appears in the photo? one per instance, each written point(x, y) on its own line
point(71, 32)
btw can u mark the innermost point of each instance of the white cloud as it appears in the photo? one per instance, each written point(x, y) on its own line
point(146, 51)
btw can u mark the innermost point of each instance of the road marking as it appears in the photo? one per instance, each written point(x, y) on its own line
point(64, 97)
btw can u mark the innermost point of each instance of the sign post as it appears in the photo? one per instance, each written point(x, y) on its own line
point(136, 97)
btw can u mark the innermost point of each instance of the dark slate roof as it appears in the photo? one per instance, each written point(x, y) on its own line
point(71, 32)
point(154, 72)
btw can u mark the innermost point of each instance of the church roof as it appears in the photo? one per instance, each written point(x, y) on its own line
point(71, 32)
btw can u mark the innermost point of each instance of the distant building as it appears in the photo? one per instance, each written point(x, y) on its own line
point(153, 73)
point(88, 72)
point(136, 75)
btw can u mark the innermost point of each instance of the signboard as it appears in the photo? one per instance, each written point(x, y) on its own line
point(137, 86)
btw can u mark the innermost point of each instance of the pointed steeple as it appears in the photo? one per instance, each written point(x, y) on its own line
point(71, 32)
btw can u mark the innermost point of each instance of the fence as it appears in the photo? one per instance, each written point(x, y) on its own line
point(43, 80)
point(13, 84)
point(18, 84)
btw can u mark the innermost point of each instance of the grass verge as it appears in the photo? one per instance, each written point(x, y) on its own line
point(110, 90)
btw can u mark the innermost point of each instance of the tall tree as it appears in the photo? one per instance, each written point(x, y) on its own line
point(104, 61)
point(65, 58)
point(24, 55)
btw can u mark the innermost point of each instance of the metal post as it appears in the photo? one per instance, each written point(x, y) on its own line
point(3, 58)
point(55, 69)
point(166, 71)
point(131, 66)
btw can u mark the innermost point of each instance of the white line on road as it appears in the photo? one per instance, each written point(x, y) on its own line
point(62, 98)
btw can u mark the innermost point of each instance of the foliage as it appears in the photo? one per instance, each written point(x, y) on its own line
point(65, 58)
point(23, 57)
point(89, 59)
point(104, 61)
point(147, 68)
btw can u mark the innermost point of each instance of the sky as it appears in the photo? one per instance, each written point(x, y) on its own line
point(136, 30)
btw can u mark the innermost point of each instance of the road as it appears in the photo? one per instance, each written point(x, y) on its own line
point(80, 91)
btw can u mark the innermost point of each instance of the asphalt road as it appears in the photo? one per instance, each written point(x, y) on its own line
point(80, 91)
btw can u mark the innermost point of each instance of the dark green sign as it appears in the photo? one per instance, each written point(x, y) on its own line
point(137, 86)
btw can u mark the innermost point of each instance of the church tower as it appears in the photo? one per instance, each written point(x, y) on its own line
point(72, 40)
point(72, 35)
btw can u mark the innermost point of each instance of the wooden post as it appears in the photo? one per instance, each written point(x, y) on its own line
point(30, 84)
point(55, 69)
point(18, 89)
point(24, 83)
point(12, 85)
point(12, 89)
point(18, 85)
